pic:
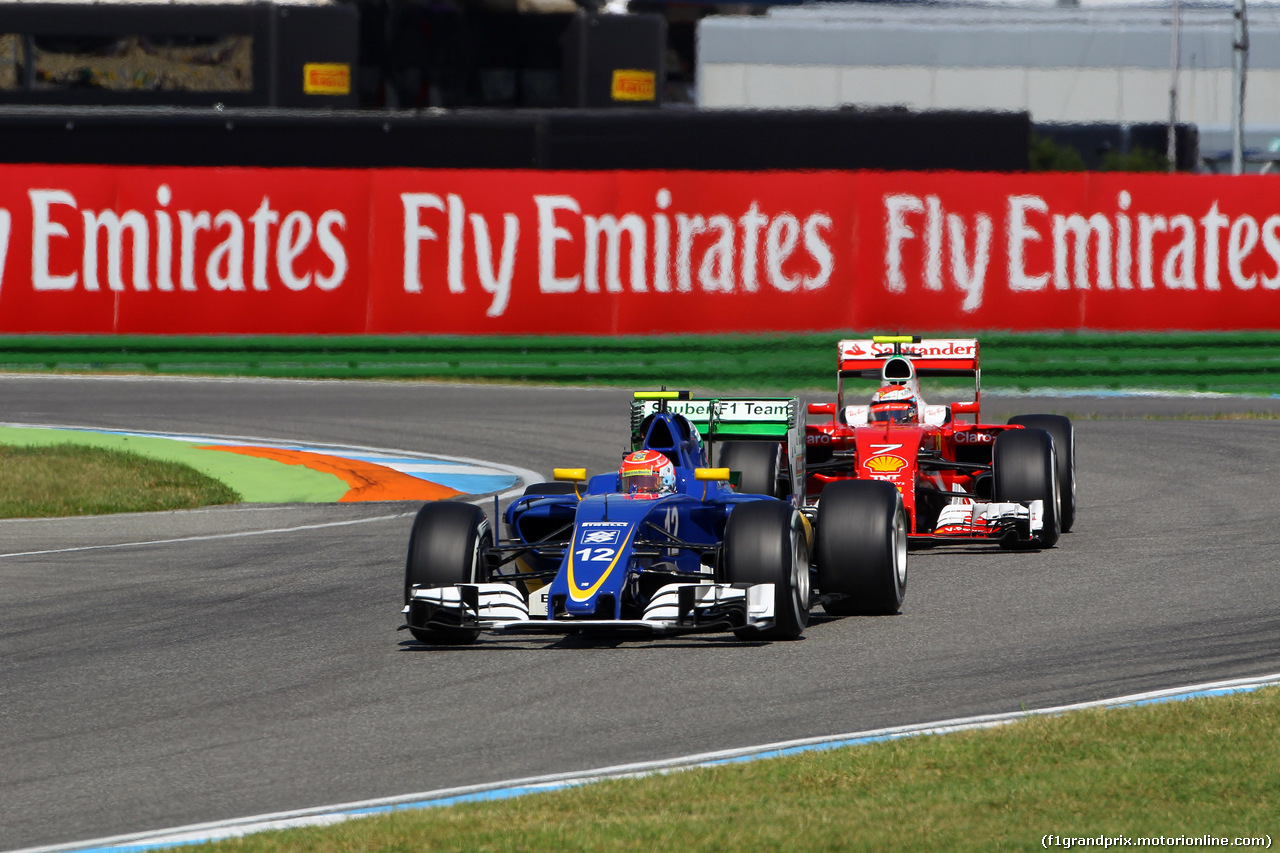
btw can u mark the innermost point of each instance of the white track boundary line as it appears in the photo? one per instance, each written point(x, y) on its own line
point(329, 815)
point(204, 537)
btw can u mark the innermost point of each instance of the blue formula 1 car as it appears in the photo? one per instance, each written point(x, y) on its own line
point(667, 544)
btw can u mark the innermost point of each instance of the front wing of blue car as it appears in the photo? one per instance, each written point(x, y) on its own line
point(675, 608)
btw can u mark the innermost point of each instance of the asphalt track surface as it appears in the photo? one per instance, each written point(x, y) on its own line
point(160, 670)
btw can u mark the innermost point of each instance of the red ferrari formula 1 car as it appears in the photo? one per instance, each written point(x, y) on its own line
point(962, 481)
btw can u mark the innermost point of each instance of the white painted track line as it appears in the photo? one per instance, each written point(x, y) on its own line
point(328, 815)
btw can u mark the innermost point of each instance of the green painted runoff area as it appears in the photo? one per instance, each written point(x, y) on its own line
point(1236, 362)
point(257, 480)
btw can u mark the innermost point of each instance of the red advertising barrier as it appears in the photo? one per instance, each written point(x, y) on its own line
point(258, 251)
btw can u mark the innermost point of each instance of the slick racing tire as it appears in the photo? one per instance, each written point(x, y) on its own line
point(758, 462)
point(1024, 467)
point(446, 548)
point(550, 489)
point(1064, 442)
point(765, 542)
point(861, 548)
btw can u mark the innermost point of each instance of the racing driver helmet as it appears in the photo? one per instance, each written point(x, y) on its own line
point(895, 404)
point(647, 474)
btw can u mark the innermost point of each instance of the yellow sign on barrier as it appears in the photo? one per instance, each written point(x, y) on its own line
point(633, 84)
point(326, 78)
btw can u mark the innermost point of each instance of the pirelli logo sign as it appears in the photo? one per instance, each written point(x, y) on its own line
point(633, 84)
point(326, 78)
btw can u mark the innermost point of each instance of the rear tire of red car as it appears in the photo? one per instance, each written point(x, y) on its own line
point(759, 463)
point(861, 548)
point(765, 542)
point(446, 548)
point(1064, 441)
point(1024, 468)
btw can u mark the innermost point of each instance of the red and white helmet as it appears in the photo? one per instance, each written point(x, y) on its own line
point(647, 473)
point(895, 404)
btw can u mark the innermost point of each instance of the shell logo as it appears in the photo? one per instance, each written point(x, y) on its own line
point(886, 464)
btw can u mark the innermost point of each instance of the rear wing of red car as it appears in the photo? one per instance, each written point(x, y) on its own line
point(936, 357)
point(931, 356)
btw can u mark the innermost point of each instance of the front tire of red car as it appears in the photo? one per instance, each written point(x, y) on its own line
point(1064, 443)
point(1024, 467)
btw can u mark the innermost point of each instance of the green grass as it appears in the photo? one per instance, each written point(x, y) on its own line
point(68, 479)
point(1187, 416)
point(1239, 362)
point(1200, 767)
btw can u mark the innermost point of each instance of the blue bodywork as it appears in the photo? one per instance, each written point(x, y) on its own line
point(602, 553)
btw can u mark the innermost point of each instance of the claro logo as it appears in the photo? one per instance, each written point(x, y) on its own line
point(973, 438)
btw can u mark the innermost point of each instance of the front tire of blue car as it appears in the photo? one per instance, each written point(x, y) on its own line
point(862, 548)
point(765, 542)
point(446, 548)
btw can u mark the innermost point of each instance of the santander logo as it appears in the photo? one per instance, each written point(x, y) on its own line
point(938, 349)
point(948, 348)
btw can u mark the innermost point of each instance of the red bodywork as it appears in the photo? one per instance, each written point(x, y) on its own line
point(940, 468)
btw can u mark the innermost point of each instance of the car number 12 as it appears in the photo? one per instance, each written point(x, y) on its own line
point(591, 555)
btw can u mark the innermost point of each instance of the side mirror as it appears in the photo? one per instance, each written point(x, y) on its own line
point(965, 408)
point(822, 409)
point(572, 475)
point(707, 475)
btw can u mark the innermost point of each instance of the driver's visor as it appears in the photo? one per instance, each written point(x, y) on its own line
point(897, 413)
point(640, 482)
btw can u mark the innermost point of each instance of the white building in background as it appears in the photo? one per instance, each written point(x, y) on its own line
point(1061, 64)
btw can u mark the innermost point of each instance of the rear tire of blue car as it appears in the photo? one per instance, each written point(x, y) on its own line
point(759, 464)
point(446, 548)
point(765, 542)
point(1024, 467)
point(1064, 442)
point(550, 489)
point(861, 546)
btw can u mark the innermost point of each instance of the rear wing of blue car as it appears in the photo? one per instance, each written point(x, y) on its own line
point(729, 419)
point(722, 418)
